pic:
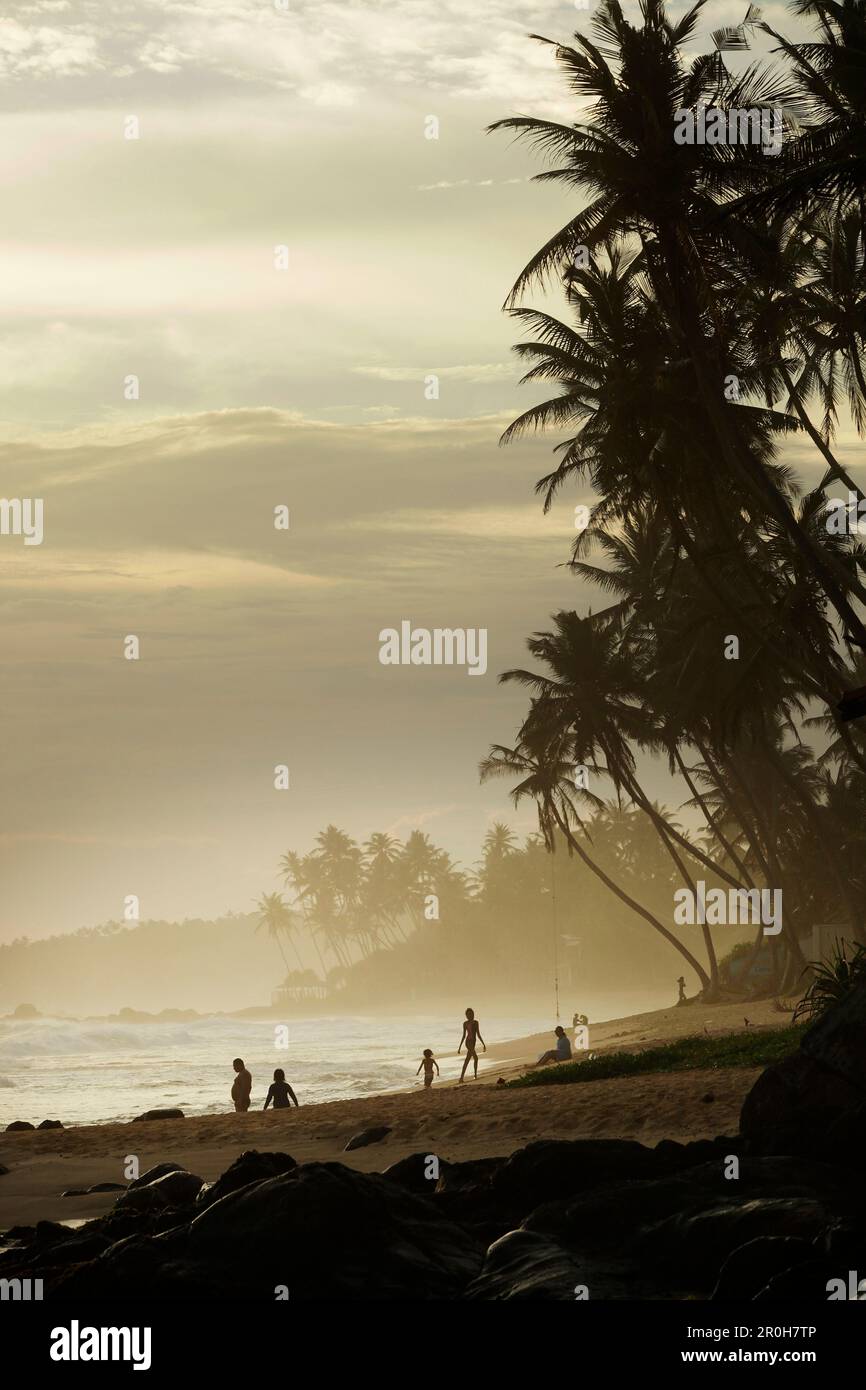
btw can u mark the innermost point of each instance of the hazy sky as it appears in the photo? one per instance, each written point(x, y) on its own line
point(261, 127)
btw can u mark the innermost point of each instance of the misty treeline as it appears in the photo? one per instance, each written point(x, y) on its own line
point(715, 311)
point(386, 922)
point(391, 919)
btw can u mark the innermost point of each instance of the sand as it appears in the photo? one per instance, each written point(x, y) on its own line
point(475, 1120)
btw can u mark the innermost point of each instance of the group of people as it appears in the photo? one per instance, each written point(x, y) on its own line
point(281, 1095)
point(280, 1092)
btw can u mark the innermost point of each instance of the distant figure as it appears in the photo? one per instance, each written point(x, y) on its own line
point(560, 1053)
point(428, 1062)
point(242, 1085)
point(471, 1037)
point(280, 1092)
point(682, 986)
point(578, 1020)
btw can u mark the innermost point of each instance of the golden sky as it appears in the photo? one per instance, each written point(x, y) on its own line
point(261, 126)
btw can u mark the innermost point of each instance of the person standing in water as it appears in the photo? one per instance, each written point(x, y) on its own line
point(280, 1092)
point(241, 1086)
point(428, 1062)
point(471, 1037)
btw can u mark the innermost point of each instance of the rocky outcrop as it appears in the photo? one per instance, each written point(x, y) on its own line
point(812, 1102)
point(170, 1114)
point(374, 1135)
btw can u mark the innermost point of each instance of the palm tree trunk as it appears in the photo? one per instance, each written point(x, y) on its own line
point(631, 902)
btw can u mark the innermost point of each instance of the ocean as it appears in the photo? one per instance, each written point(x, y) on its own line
point(93, 1072)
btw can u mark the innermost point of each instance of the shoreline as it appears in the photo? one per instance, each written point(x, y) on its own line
point(476, 1120)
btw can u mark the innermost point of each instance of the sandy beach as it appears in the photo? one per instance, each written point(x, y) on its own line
point(477, 1119)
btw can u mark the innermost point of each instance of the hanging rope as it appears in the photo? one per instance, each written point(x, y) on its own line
point(555, 933)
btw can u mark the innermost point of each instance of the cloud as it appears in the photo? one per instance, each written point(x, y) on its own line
point(477, 372)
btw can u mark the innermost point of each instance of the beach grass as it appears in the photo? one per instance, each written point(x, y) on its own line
point(743, 1049)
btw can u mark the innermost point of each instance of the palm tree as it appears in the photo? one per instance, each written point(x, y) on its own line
point(668, 199)
point(545, 765)
point(827, 162)
point(278, 920)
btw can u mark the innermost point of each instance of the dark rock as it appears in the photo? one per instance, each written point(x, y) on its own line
point(3, 1171)
point(150, 1175)
point(526, 1266)
point(793, 1104)
point(411, 1172)
point(21, 1233)
point(49, 1232)
point(374, 1135)
point(74, 1192)
point(105, 1187)
point(160, 1115)
point(19, 1124)
point(556, 1168)
point(844, 1241)
point(250, 1166)
point(845, 1140)
point(50, 1124)
point(695, 1244)
point(805, 1281)
point(708, 1098)
point(143, 1199)
point(837, 1042)
point(618, 1214)
point(748, 1268)
point(472, 1177)
point(323, 1230)
point(176, 1188)
point(76, 1250)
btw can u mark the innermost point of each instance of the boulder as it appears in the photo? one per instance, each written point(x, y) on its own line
point(141, 1199)
point(374, 1135)
point(837, 1041)
point(19, 1124)
point(796, 1103)
point(528, 1267)
point(50, 1124)
point(322, 1231)
point(250, 1166)
point(412, 1172)
point(177, 1188)
point(150, 1175)
point(170, 1114)
point(554, 1168)
point(104, 1187)
point(696, 1244)
point(748, 1268)
point(3, 1170)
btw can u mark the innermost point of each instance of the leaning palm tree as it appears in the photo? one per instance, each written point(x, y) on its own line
point(545, 765)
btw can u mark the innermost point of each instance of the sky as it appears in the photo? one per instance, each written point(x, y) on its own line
point(241, 309)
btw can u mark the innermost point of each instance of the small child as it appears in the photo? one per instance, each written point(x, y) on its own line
point(428, 1062)
point(280, 1092)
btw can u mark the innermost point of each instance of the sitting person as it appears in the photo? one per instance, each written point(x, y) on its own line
point(280, 1092)
point(560, 1053)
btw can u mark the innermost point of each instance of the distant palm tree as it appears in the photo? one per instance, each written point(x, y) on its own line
point(278, 920)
